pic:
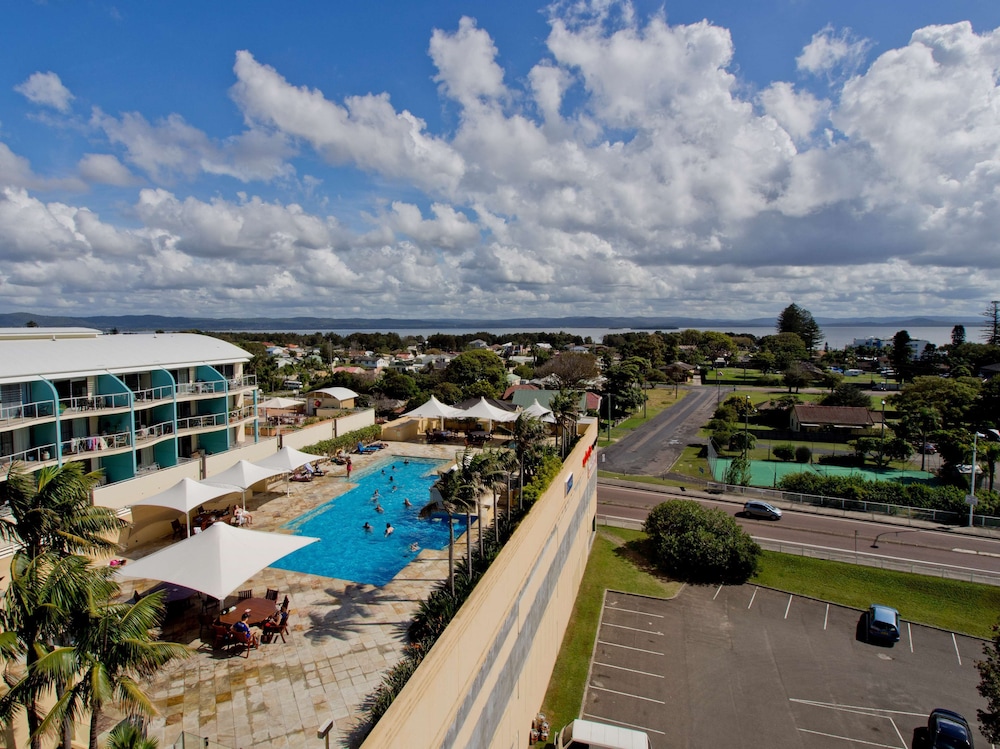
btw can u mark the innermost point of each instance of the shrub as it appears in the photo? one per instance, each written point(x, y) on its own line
point(700, 545)
point(345, 441)
point(802, 454)
point(784, 452)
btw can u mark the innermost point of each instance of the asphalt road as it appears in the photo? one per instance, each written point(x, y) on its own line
point(654, 447)
point(930, 545)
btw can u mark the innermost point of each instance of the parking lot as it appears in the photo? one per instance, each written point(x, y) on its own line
point(751, 667)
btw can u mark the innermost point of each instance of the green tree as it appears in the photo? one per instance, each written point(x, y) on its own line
point(784, 452)
point(471, 369)
point(795, 376)
point(127, 735)
point(847, 394)
point(565, 407)
point(916, 424)
point(991, 324)
point(786, 347)
point(529, 439)
point(571, 370)
point(958, 335)
point(700, 545)
point(989, 688)
point(795, 319)
point(738, 472)
point(397, 385)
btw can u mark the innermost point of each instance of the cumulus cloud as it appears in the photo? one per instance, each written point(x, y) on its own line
point(47, 90)
point(628, 172)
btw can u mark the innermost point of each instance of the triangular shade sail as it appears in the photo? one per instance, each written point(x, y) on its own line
point(287, 459)
point(435, 409)
point(280, 403)
point(186, 495)
point(539, 411)
point(244, 475)
point(216, 561)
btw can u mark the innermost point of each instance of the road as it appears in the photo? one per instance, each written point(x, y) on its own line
point(928, 545)
point(654, 447)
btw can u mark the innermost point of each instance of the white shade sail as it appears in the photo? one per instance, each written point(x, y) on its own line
point(244, 475)
point(435, 409)
point(539, 411)
point(486, 410)
point(285, 403)
point(186, 495)
point(216, 561)
point(287, 459)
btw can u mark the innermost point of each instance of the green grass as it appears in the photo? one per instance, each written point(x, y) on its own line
point(950, 604)
point(607, 567)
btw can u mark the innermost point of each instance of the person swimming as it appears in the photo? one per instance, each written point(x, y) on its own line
point(407, 502)
point(378, 508)
point(367, 526)
point(389, 529)
point(414, 546)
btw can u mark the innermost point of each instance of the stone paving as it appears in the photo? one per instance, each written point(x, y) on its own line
point(342, 638)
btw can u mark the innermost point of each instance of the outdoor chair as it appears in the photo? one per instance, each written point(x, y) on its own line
point(221, 636)
point(276, 629)
point(245, 642)
point(206, 623)
point(245, 594)
point(271, 595)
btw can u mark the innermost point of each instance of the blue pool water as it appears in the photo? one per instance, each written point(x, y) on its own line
point(347, 551)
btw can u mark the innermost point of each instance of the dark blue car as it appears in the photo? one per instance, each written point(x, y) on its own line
point(948, 730)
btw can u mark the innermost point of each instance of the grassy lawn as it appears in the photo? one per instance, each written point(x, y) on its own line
point(609, 566)
point(951, 604)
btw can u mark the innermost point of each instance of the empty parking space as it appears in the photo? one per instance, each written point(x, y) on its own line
point(748, 666)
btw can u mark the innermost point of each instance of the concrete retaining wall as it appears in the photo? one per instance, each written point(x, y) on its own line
point(485, 678)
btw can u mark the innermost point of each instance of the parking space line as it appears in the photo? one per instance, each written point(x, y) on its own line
point(752, 597)
point(852, 740)
point(626, 694)
point(826, 617)
point(636, 611)
point(902, 741)
point(633, 629)
point(603, 719)
point(789, 606)
point(957, 654)
point(627, 647)
point(630, 670)
point(909, 636)
point(717, 593)
point(876, 712)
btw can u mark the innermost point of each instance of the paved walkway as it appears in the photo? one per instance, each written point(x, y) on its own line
point(343, 637)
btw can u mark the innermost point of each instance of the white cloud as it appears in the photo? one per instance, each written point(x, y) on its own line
point(16, 171)
point(466, 63)
point(105, 169)
point(829, 51)
point(46, 89)
point(798, 112)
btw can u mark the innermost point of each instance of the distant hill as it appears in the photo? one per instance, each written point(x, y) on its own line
point(140, 323)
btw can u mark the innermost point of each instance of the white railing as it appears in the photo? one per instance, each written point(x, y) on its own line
point(163, 392)
point(242, 414)
point(97, 443)
point(32, 455)
point(23, 411)
point(95, 402)
point(201, 388)
point(156, 431)
point(242, 383)
point(202, 422)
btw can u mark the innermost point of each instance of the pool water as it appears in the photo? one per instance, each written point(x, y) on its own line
point(346, 550)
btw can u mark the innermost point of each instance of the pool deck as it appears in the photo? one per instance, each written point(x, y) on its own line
point(343, 637)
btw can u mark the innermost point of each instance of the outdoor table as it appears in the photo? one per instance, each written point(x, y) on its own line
point(174, 592)
point(260, 609)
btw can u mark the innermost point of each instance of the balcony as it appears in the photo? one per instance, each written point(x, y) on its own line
point(32, 457)
point(97, 443)
point(216, 387)
point(15, 415)
point(154, 433)
point(201, 423)
point(246, 382)
point(151, 396)
point(87, 403)
point(242, 414)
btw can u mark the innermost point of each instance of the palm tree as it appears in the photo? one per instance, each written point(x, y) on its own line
point(51, 511)
point(565, 406)
point(127, 735)
point(112, 651)
point(529, 434)
point(491, 468)
point(447, 490)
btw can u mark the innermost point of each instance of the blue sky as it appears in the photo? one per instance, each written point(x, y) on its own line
point(466, 159)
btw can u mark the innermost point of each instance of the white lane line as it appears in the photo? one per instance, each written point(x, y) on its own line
point(717, 593)
point(957, 654)
point(902, 741)
point(909, 635)
point(976, 553)
point(630, 670)
point(642, 613)
point(848, 738)
point(627, 647)
point(789, 606)
point(753, 597)
point(626, 694)
point(633, 629)
point(826, 617)
point(873, 711)
point(604, 719)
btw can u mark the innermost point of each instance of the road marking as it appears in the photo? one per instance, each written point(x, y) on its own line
point(623, 723)
point(977, 553)
point(826, 617)
point(633, 629)
point(752, 597)
point(626, 694)
point(630, 670)
point(896, 729)
point(848, 738)
point(717, 593)
point(909, 635)
point(788, 606)
point(628, 647)
point(875, 712)
point(957, 654)
point(635, 611)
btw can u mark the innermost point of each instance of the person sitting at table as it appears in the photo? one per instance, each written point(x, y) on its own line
point(241, 517)
point(242, 629)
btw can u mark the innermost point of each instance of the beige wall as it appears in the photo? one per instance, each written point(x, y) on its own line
point(328, 429)
point(403, 430)
point(485, 678)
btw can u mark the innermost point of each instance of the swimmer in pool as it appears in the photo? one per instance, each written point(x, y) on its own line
point(407, 502)
point(414, 546)
point(367, 526)
point(378, 508)
point(389, 529)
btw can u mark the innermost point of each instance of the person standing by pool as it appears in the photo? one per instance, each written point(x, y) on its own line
point(389, 529)
point(350, 467)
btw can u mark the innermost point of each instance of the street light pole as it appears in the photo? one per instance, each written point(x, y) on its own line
point(609, 417)
point(881, 446)
point(718, 388)
point(746, 433)
point(972, 490)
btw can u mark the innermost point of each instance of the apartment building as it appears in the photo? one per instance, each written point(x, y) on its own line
point(123, 404)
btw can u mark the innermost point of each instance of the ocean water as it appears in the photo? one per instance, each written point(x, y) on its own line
point(346, 550)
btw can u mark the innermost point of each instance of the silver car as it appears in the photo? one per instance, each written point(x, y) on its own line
point(757, 509)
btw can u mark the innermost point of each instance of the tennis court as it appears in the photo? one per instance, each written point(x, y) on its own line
point(770, 472)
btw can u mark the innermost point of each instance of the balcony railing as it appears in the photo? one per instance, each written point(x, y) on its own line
point(241, 383)
point(156, 431)
point(202, 422)
point(201, 388)
point(242, 414)
point(154, 394)
point(95, 402)
point(24, 411)
point(96, 443)
point(32, 455)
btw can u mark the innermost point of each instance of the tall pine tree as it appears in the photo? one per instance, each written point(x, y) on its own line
point(795, 319)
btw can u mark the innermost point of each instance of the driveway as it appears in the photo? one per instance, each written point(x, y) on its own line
point(744, 666)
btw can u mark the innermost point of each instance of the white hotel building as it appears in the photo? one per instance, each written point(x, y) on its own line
point(123, 404)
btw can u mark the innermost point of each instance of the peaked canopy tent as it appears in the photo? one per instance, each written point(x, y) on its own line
point(216, 561)
point(282, 403)
point(186, 495)
point(243, 474)
point(286, 460)
point(435, 409)
point(540, 412)
point(486, 410)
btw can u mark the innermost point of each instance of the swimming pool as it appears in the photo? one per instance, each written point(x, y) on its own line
point(349, 552)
